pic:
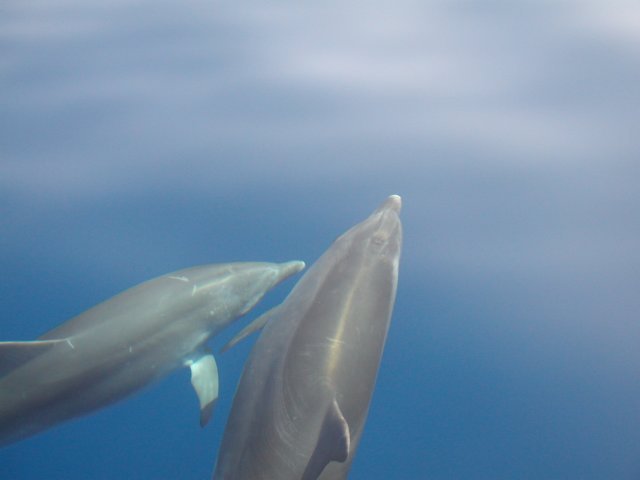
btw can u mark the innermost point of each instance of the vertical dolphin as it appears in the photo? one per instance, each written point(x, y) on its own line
point(303, 398)
point(126, 342)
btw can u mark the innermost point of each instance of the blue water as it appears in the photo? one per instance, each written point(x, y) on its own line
point(140, 137)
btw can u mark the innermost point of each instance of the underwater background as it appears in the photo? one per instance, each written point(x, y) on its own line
point(139, 137)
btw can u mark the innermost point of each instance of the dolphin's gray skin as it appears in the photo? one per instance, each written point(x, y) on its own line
point(303, 398)
point(126, 342)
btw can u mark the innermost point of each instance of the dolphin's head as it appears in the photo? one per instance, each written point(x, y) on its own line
point(256, 279)
point(224, 292)
point(378, 238)
point(386, 230)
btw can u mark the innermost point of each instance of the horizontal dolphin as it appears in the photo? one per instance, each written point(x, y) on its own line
point(126, 342)
point(303, 398)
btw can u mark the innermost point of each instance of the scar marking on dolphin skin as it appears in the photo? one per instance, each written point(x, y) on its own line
point(336, 341)
point(70, 344)
point(182, 279)
point(193, 290)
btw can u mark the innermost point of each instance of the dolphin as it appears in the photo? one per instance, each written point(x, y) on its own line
point(127, 342)
point(302, 401)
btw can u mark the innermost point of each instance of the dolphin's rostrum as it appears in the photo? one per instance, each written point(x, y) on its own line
point(126, 342)
point(303, 398)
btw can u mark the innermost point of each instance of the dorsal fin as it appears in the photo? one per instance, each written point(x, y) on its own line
point(333, 442)
point(14, 354)
point(257, 324)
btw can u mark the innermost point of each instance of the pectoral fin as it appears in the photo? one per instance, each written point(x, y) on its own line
point(333, 442)
point(14, 354)
point(257, 324)
point(204, 378)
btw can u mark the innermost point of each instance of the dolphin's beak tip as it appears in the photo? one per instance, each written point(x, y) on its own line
point(293, 267)
point(393, 202)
